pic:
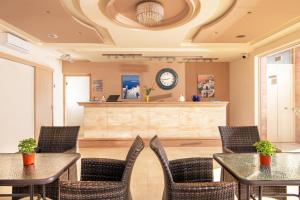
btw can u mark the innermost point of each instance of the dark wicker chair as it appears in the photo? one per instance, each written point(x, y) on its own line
point(55, 140)
point(190, 178)
point(105, 179)
point(240, 139)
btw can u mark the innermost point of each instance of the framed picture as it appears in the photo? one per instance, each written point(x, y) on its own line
point(206, 86)
point(131, 87)
point(98, 85)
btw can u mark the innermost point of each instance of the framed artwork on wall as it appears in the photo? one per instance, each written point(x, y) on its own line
point(131, 87)
point(206, 86)
point(98, 85)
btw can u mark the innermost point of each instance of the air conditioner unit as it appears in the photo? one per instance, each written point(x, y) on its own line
point(12, 41)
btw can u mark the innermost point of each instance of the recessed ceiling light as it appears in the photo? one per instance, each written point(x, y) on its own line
point(240, 36)
point(52, 36)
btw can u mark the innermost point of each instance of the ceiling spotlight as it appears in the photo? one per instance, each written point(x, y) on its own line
point(240, 36)
point(67, 57)
point(52, 36)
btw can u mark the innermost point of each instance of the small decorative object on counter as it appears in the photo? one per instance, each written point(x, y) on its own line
point(27, 148)
point(181, 98)
point(103, 99)
point(94, 98)
point(196, 98)
point(266, 150)
point(146, 93)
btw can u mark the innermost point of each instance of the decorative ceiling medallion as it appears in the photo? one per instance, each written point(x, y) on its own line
point(154, 15)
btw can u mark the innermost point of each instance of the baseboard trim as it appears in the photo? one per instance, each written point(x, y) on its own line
point(168, 142)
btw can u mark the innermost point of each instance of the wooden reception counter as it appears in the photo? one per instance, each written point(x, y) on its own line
point(125, 120)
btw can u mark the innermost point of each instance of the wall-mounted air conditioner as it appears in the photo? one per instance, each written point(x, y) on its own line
point(12, 41)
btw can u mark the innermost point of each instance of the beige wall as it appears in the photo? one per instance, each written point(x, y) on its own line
point(242, 92)
point(221, 72)
point(111, 72)
point(243, 87)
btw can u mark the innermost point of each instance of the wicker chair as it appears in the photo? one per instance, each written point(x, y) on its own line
point(105, 179)
point(240, 139)
point(190, 178)
point(55, 140)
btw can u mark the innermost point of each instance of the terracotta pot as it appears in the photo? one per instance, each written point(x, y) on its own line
point(265, 160)
point(28, 158)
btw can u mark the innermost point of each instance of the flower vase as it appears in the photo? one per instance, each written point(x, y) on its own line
point(147, 98)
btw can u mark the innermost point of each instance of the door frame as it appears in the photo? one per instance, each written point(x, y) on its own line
point(36, 134)
point(64, 91)
point(293, 92)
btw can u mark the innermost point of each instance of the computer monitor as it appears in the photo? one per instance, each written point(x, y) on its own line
point(112, 98)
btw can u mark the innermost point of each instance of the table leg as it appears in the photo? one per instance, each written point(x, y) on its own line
point(44, 192)
point(259, 192)
point(31, 192)
point(239, 191)
point(247, 192)
point(222, 174)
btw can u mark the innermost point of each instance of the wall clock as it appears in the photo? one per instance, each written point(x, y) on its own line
point(167, 79)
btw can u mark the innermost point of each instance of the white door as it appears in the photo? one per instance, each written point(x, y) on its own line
point(272, 101)
point(77, 89)
point(280, 102)
point(16, 104)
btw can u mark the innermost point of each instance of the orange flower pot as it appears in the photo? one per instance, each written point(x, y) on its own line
point(265, 160)
point(28, 159)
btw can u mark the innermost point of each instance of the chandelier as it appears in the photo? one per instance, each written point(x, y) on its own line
point(149, 13)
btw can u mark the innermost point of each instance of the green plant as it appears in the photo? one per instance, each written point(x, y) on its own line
point(265, 147)
point(147, 91)
point(27, 145)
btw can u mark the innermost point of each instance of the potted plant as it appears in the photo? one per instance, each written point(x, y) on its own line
point(266, 150)
point(27, 148)
point(146, 92)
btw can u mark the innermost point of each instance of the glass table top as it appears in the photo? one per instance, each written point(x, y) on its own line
point(246, 167)
point(47, 167)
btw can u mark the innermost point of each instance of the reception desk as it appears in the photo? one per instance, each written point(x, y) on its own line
point(199, 120)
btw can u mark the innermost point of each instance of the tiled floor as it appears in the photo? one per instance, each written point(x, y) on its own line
point(147, 178)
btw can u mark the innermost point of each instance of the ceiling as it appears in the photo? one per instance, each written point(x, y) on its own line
point(43, 18)
point(176, 12)
point(96, 30)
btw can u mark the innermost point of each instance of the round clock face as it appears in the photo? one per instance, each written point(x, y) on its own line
point(167, 78)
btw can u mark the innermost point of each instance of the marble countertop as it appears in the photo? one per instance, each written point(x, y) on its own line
point(154, 104)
